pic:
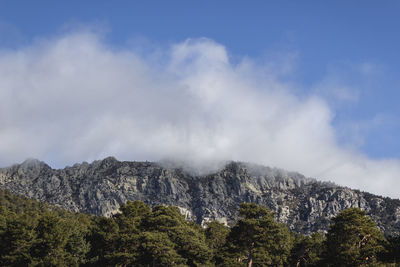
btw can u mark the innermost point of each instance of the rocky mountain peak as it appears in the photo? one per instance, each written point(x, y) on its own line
point(99, 188)
point(32, 164)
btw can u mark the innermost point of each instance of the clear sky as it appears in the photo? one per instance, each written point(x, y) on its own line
point(345, 53)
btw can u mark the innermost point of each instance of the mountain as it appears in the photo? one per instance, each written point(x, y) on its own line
point(304, 204)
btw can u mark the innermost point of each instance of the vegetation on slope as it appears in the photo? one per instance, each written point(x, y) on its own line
point(36, 234)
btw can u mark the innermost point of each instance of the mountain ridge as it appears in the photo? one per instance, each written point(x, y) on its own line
point(304, 204)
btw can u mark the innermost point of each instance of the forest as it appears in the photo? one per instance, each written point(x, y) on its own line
point(34, 233)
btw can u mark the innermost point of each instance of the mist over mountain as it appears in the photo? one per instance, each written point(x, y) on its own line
point(304, 204)
point(190, 101)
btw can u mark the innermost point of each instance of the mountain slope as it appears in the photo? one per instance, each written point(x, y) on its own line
point(304, 204)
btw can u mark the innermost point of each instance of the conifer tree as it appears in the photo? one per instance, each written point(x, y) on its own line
point(216, 234)
point(59, 242)
point(308, 250)
point(188, 238)
point(158, 250)
point(17, 235)
point(393, 250)
point(120, 235)
point(258, 239)
point(353, 239)
point(104, 242)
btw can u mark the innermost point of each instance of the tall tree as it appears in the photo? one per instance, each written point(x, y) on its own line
point(216, 234)
point(157, 249)
point(393, 250)
point(308, 250)
point(104, 242)
point(188, 238)
point(258, 239)
point(17, 236)
point(121, 235)
point(52, 233)
point(353, 239)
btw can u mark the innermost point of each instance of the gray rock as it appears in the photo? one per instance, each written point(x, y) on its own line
point(99, 188)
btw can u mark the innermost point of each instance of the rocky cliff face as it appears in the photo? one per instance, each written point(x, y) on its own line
point(99, 188)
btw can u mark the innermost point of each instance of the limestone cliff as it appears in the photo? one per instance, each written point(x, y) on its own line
point(304, 204)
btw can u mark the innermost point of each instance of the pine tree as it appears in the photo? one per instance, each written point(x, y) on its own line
point(353, 239)
point(121, 234)
point(308, 250)
point(258, 239)
point(157, 249)
point(393, 250)
point(52, 236)
point(216, 234)
point(104, 242)
point(17, 237)
point(188, 238)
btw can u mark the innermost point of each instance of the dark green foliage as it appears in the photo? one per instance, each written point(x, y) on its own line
point(37, 234)
point(392, 253)
point(59, 241)
point(139, 236)
point(129, 221)
point(103, 240)
point(158, 250)
point(353, 240)
point(216, 234)
point(308, 250)
point(18, 204)
point(258, 239)
point(116, 240)
point(17, 235)
point(135, 211)
point(188, 237)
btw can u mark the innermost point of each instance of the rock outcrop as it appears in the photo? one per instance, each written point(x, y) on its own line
point(99, 188)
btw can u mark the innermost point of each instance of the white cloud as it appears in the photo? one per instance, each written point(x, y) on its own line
point(73, 98)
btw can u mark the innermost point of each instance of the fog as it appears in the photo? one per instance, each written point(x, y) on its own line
point(74, 98)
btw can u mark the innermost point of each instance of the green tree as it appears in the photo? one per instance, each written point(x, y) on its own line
point(158, 250)
point(130, 225)
point(78, 245)
point(308, 250)
point(34, 233)
point(115, 241)
point(104, 242)
point(353, 239)
point(392, 253)
point(258, 239)
point(216, 234)
point(188, 238)
point(52, 236)
point(17, 235)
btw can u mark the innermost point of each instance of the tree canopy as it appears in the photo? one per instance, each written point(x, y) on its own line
point(353, 239)
point(37, 234)
point(258, 239)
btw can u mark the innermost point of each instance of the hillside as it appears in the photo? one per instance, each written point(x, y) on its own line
point(305, 205)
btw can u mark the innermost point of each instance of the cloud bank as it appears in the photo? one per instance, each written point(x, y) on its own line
point(73, 98)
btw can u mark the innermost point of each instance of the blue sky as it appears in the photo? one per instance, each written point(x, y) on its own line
point(280, 83)
point(328, 40)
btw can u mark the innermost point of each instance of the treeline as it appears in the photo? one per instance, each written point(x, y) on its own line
point(36, 234)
